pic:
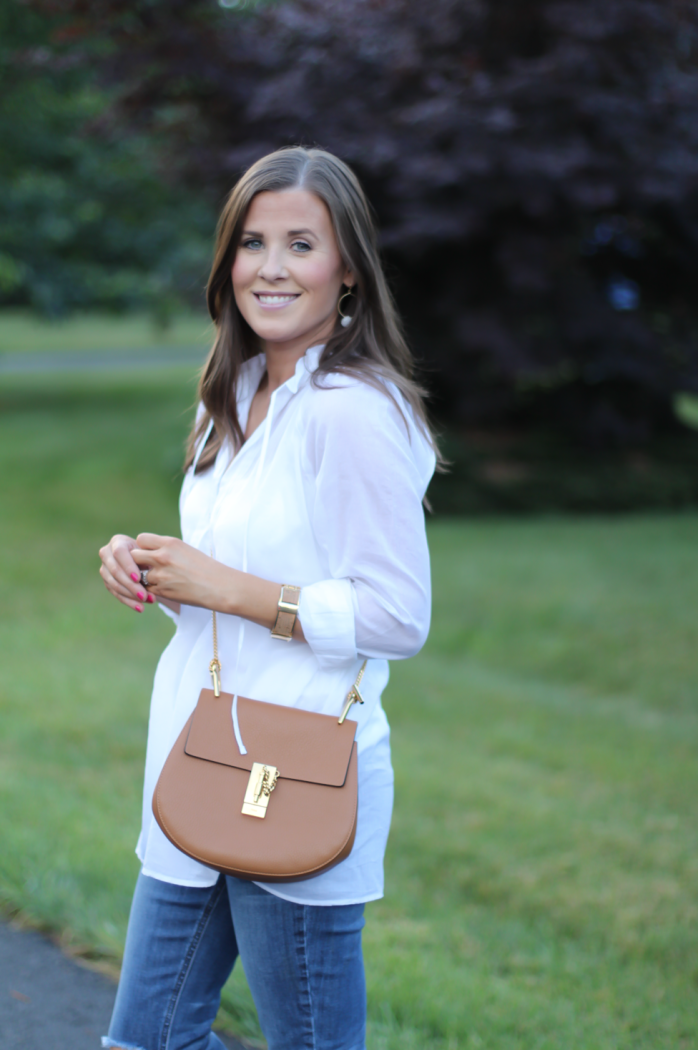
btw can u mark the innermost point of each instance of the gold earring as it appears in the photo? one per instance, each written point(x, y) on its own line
point(346, 320)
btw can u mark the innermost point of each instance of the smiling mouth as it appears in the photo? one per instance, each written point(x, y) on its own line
point(275, 300)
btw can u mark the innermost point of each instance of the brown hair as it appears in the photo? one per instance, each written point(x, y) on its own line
point(372, 347)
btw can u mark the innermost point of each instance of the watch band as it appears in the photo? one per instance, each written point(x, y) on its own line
point(288, 612)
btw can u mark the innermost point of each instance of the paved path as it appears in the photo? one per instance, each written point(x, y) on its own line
point(50, 1002)
point(101, 360)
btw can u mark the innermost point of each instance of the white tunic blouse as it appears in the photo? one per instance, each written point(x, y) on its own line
point(326, 494)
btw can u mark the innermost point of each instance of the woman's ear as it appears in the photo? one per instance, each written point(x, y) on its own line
point(349, 280)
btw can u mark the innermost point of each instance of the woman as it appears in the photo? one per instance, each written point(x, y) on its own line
point(307, 465)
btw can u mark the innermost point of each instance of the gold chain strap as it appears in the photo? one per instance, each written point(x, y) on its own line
point(215, 665)
point(353, 696)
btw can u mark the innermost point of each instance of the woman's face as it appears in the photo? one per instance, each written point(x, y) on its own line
point(288, 272)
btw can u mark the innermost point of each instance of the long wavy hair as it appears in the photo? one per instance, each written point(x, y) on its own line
point(372, 347)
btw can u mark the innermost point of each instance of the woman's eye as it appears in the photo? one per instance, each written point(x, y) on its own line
point(253, 243)
point(301, 246)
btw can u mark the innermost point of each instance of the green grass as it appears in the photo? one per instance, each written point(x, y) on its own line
point(23, 332)
point(542, 870)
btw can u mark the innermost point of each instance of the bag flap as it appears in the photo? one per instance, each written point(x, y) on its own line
point(301, 744)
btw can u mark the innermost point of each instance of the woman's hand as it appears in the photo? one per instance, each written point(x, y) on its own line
point(178, 572)
point(121, 574)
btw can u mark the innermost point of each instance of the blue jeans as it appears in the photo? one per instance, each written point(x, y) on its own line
point(303, 964)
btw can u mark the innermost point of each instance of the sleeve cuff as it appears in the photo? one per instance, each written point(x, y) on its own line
point(327, 616)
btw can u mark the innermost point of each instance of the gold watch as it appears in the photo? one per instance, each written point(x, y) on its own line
point(288, 612)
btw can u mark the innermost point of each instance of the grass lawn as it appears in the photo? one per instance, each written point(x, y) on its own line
point(542, 874)
point(23, 332)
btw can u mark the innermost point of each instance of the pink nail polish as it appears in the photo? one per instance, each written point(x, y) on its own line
point(139, 608)
point(150, 599)
point(141, 596)
point(135, 577)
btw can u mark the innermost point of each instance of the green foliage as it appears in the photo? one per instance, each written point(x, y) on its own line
point(87, 217)
point(519, 472)
point(541, 871)
point(532, 167)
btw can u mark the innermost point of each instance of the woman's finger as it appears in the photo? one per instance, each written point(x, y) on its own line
point(143, 565)
point(121, 594)
point(142, 597)
point(150, 541)
point(121, 575)
point(123, 557)
point(130, 581)
point(116, 555)
point(144, 559)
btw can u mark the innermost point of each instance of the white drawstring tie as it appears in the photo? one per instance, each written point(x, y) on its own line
point(241, 634)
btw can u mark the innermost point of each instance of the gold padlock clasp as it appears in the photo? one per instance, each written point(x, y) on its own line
point(259, 788)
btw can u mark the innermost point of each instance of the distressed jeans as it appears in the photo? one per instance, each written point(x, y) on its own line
point(303, 964)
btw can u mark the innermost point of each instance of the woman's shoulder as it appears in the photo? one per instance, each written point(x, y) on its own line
point(360, 418)
point(336, 398)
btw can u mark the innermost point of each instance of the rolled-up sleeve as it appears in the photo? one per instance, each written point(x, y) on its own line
point(370, 466)
point(327, 616)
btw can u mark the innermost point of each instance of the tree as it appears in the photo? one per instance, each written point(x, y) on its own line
point(86, 217)
point(533, 167)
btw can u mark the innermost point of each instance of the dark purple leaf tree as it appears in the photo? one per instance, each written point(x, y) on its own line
point(534, 168)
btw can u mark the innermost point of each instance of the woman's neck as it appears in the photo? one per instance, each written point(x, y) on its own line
point(282, 358)
point(281, 364)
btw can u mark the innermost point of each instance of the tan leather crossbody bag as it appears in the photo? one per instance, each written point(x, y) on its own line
point(284, 811)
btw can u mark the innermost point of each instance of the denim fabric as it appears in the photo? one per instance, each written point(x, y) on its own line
point(303, 964)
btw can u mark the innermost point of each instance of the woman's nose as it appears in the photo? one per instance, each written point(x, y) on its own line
point(273, 268)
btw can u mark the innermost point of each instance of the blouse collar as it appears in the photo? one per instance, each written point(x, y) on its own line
point(253, 370)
